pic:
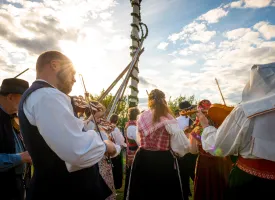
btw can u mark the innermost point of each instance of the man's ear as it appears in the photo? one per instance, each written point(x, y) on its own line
point(9, 97)
point(55, 65)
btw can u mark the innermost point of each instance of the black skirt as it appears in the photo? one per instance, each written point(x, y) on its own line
point(246, 186)
point(154, 176)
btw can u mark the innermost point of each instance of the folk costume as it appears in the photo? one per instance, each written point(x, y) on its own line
point(64, 156)
point(211, 174)
point(118, 139)
point(105, 165)
point(187, 163)
point(248, 132)
point(155, 173)
point(132, 147)
point(11, 144)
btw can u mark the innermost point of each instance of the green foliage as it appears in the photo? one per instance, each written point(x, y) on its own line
point(174, 103)
point(121, 109)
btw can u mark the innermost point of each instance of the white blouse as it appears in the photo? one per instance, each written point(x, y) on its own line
point(234, 137)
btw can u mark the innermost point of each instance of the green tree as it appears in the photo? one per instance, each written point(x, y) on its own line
point(174, 103)
point(121, 109)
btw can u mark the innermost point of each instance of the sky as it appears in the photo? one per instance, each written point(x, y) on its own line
point(190, 43)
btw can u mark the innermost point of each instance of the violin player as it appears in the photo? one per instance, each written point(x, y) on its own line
point(187, 163)
point(248, 131)
point(13, 155)
point(64, 156)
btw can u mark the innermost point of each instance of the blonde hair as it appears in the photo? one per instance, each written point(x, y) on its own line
point(157, 103)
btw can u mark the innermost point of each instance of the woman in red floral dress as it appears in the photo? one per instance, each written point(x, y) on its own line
point(211, 175)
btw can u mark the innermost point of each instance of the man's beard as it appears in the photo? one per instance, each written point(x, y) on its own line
point(63, 85)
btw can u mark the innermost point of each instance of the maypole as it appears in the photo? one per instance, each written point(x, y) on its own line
point(133, 98)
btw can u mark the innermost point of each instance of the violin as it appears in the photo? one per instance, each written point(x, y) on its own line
point(191, 112)
point(105, 125)
point(217, 113)
point(80, 105)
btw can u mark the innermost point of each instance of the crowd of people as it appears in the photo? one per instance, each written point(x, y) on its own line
point(60, 152)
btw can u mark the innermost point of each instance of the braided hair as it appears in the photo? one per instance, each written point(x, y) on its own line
point(157, 103)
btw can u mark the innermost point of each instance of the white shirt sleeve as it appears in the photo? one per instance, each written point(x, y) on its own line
point(132, 133)
point(118, 137)
point(179, 142)
point(228, 138)
point(51, 111)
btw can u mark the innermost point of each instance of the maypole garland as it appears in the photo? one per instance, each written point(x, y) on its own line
point(133, 98)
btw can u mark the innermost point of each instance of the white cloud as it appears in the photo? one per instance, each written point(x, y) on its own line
point(183, 62)
point(163, 46)
point(202, 47)
point(267, 30)
point(236, 33)
point(118, 42)
point(195, 32)
point(105, 15)
point(185, 52)
point(197, 48)
point(174, 37)
point(268, 44)
point(203, 36)
point(252, 3)
point(236, 4)
point(257, 3)
point(213, 16)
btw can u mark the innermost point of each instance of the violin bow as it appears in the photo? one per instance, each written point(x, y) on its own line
point(90, 107)
point(22, 73)
point(220, 91)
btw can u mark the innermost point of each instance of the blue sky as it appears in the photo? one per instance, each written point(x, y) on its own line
point(190, 43)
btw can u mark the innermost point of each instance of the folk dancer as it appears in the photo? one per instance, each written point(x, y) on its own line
point(117, 138)
point(64, 156)
point(187, 163)
point(248, 132)
point(105, 164)
point(13, 156)
point(132, 143)
point(155, 173)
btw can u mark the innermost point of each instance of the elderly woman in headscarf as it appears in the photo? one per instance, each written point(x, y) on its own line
point(211, 173)
point(155, 173)
point(248, 131)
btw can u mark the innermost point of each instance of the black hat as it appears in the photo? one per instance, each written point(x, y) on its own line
point(13, 86)
point(184, 105)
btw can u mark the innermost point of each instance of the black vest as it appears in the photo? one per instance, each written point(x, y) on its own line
point(7, 146)
point(51, 179)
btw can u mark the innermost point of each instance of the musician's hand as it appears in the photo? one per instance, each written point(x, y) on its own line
point(111, 149)
point(25, 156)
point(203, 120)
point(186, 128)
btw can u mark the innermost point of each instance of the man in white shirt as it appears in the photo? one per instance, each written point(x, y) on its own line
point(64, 156)
point(184, 121)
point(248, 132)
point(187, 163)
